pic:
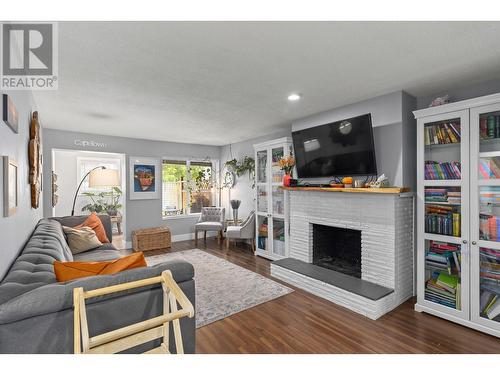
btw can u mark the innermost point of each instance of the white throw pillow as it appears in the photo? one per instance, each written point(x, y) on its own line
point(81, 240)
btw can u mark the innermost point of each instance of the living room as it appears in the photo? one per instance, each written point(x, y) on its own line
point(250, 187)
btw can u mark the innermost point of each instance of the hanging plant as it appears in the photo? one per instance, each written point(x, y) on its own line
point(247, 165)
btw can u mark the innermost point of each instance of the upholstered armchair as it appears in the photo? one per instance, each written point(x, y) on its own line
point(212, 218)
point(245, 231)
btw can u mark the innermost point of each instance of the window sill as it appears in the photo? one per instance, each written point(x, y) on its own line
point(189, 216)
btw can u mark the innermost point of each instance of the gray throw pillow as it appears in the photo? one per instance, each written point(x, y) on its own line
point(81, 240)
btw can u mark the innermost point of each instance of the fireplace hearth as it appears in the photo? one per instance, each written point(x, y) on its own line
point(338, 249)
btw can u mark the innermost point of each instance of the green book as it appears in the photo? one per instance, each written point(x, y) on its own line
point(491, 126)
point(449, 282)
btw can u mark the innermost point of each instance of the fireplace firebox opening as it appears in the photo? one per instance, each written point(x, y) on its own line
point(338, 249)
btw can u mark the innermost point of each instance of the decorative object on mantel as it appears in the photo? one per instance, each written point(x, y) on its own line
point(286, 164)
point(235, 204)
point(55, 197)
point(35, 160)
point(347, 181)
point(440, 100)
point(10, 186)
point(381, 182)
point(10, 114)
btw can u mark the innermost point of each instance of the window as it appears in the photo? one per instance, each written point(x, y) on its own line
point(187, 187)
point(84, 165)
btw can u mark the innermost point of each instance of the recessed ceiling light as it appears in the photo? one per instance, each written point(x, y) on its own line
point(293, 97)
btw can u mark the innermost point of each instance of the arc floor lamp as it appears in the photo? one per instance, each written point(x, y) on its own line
point(99, 177)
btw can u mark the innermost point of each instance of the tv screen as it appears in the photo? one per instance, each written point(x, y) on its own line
point(341, 148)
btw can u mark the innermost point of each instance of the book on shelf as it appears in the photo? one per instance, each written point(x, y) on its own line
point(489, 168)
point(435, 170)
point(442, 133)
point(440, 288)
point(443, 220)
point(489, 305)
point(442, 195)
point(489, 127)
point(448, 282)
point(489, 227)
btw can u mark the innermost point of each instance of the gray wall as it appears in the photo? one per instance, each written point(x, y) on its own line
point(15, 230)
point(139, 213)
point(462, 93)
point(393, 133)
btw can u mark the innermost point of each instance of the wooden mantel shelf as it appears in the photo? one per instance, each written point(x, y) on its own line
point(389, 190)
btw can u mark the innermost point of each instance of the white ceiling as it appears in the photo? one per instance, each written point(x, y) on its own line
point(216, 83)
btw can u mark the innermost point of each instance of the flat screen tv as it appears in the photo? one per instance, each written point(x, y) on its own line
point(341, 148)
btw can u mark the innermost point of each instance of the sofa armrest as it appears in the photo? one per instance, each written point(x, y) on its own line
point(59, 296)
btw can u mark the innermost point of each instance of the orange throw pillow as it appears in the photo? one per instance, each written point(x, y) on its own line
point(95, 224)
point(66, 271)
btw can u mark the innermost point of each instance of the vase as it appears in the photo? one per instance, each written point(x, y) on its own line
point(286, 179)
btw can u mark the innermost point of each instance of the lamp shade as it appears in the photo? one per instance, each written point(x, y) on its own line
point(104, 178)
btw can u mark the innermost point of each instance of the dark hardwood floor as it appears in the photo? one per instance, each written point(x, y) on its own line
point(303, 323)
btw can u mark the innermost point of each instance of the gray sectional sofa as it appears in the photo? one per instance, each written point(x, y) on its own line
point(36, 311)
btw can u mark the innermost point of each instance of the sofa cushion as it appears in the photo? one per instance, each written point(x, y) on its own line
point(34, 267)
point(105, 252)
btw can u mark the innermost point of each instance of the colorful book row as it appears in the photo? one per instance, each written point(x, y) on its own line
point(443, 133)
point(488, 168)
point(489, 227)
point(442, 170)
point(444, 224)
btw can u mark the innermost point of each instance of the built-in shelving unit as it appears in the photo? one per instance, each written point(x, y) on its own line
point(271, 201)
point(458, 212)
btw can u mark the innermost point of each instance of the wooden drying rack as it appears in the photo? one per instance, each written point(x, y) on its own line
point(139, 333)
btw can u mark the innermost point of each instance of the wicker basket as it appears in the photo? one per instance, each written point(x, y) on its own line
point(151, 239)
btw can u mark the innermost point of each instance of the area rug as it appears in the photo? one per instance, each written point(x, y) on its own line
point(223, 288)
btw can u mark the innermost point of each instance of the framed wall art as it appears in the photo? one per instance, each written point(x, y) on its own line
point(10, 115)
point(145, 178)
point(10, 186)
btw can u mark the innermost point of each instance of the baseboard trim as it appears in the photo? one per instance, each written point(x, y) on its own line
point(190, 236)
point(179, 237)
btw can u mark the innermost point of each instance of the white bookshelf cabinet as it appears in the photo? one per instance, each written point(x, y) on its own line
point(271, 201)
point(458, 212)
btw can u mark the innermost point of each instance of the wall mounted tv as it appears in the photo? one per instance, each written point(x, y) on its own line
point(341, 148)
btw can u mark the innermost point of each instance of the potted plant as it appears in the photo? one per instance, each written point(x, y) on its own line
point(105, 201)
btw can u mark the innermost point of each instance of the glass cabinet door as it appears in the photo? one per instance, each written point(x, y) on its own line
point(277, 174)
point(443, 218)
point(485, 236)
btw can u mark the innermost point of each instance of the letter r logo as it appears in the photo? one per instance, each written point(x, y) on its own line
point(27, 49)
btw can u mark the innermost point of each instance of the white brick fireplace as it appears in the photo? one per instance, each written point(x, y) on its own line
point(386, 225)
